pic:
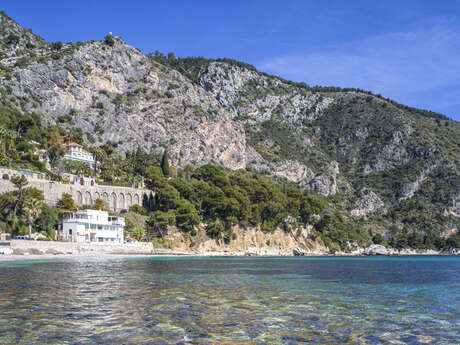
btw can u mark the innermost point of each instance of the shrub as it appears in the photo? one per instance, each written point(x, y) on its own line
point(138, 209)
point(109, 40)
point(12, 39)
point(5, 177)
point(56, 45)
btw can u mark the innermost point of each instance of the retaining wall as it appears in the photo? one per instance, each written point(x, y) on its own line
point(115, 198)
point(52, 247)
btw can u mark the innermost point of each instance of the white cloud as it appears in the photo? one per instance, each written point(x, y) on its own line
point(405, 66)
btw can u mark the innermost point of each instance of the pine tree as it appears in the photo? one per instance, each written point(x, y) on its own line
point(165, 163)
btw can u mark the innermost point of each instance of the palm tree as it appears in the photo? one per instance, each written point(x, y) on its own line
point(32, 210)
point(98, 154)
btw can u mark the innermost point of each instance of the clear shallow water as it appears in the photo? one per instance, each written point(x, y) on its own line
point(405, 300)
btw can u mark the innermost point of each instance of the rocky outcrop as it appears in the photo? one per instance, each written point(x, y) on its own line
point(250, 241)
point(326, 183)
point(410, 188)
point(368, 203)
point(376, 249)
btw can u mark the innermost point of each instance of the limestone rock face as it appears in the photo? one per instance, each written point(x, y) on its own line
point(367, 204)
point(227, 113)
point(124, 97)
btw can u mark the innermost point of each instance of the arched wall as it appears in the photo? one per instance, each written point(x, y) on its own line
point(113, 201)
point(88, 198)
point(121, 202)
point(114, 198)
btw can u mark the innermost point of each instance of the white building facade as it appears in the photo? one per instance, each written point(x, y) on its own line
point(75, 152)
point(92, 226)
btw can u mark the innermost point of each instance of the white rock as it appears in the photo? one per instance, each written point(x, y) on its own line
point(376, 249)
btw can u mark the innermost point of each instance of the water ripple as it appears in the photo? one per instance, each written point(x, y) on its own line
point(231, 301)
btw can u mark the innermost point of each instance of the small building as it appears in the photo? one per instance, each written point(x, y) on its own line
point(92, 226)
point(42, 155)
point(76, 152)
point(4, 236)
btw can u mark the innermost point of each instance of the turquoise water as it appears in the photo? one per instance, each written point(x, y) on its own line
point(404, 300)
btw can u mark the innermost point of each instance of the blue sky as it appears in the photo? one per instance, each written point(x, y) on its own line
point(406, 50)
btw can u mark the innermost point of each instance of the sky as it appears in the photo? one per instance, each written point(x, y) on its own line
point(406, 50)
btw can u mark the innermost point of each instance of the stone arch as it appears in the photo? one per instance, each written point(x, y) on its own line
point(79, 198)
point(97, 195)
point(136, 199)
point(88, 198)
point(129, 200)
point(121, 202)
point(105, 198)
point(113, 201)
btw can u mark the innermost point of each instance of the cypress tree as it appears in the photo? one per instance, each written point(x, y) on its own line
point(165, 163)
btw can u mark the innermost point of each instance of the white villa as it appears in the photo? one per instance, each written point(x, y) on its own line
point(92, 226)
point(75, 152)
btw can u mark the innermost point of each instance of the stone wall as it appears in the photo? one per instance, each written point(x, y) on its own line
point(52, 247)
point(115, 198)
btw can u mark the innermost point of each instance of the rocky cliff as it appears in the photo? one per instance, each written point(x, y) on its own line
point(370, 154)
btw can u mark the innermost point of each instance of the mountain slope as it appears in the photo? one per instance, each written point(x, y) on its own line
point(371, 156)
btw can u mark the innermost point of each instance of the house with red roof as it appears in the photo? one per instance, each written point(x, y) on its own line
point(76, 152)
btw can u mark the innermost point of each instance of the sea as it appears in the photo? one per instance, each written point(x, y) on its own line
point(195, 300)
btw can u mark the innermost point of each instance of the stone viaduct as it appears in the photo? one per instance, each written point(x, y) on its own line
point(115, 198)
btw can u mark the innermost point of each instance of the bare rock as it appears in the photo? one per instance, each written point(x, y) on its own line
point(376, 249)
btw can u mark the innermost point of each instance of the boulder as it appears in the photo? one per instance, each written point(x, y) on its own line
point(6, 250)
point(376, 249)
point(299, 252)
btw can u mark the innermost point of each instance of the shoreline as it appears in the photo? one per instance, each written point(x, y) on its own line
point(22, 250)
point(101, 255)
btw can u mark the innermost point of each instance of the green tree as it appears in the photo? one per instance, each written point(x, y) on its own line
point(155, 178)
point(109, 40)
point(47, 221)
point(20, 182)
point(99, 204)
point(53, 143)
point(157, 224)
point(8, 203)
point(215, 229)
point(66, 203)
point(32, 209)
point(11, 152)
point(186, 216)
point(165, 163)
point(168, 198)
point(132, 230)
point(377, 238)
point(99, 155)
